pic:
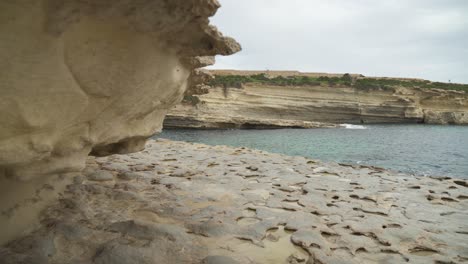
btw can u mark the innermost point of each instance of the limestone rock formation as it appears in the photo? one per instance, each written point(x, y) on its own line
point(260, 103)
point(178, 202)
point(92, 76)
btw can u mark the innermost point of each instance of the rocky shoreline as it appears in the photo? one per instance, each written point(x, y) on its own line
point(178, 202)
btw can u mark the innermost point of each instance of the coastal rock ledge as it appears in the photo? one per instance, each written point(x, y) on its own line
point(80, 77)
point(179, 202)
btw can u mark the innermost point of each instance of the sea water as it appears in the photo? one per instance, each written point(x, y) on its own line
point(414, 149)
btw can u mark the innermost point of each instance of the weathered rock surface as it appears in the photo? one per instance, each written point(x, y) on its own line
point(258, 103)
point(179, 202)
point(91, 76)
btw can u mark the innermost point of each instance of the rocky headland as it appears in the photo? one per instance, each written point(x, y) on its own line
point(179, 202)
point(256, 99)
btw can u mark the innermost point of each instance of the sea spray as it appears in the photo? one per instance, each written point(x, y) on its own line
point(351, 126)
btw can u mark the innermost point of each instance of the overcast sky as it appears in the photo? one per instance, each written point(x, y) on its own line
point(400, 38)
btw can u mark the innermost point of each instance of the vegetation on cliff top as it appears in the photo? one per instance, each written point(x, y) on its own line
point(191, 99)
point(236, 81)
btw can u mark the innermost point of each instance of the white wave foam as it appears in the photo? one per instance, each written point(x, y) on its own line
point(350, 126)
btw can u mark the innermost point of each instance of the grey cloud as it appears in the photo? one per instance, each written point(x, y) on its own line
point(418, 38)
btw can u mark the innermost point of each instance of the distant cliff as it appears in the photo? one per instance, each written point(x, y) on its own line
point(243, 99)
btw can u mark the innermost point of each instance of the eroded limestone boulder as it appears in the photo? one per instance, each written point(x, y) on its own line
point(78, 76)
point(93, 76)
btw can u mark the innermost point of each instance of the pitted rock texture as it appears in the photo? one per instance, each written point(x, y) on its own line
point(80, 77)
point(180, 202)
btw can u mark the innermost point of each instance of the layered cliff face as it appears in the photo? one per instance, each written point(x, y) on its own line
point(227, 107)
point(80, 77)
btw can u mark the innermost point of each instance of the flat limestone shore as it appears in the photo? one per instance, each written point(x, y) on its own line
point(180, 202)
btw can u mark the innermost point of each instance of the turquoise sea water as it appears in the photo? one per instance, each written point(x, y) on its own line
point(415, 149)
